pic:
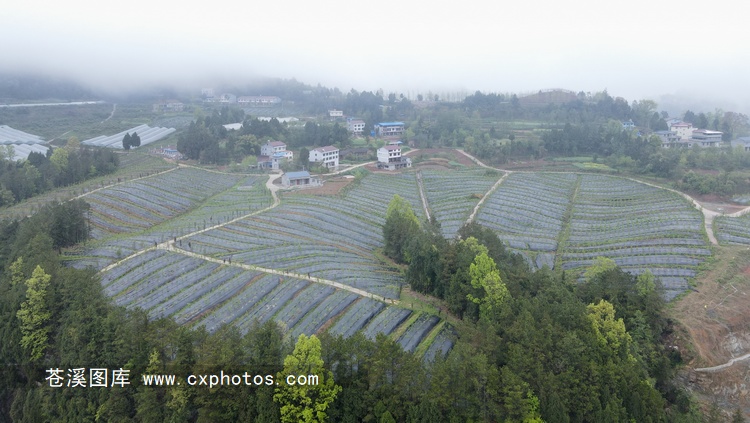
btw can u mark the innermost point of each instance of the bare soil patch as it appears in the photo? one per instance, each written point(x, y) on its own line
point(717, 203)
point(331, 186)
point(714, 327)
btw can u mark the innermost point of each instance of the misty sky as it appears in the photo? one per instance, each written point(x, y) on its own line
point(634, 49)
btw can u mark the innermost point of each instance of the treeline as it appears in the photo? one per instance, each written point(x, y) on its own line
point(625, 149)
point(598, 107)
point(208, 141)
point(532, 347)
point(60, 167)
point(557, 349)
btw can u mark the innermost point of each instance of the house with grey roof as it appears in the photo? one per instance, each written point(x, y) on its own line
point(741, 142)
point(298, 179)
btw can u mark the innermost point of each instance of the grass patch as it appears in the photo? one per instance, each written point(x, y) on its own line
point(579, 159)
point(416, 302)
point(590, 166)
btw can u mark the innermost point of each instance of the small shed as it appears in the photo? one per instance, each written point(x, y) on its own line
point(291, 179)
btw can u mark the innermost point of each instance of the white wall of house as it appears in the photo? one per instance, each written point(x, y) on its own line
point(682, 129)
point(327, 156)
point(389, 153)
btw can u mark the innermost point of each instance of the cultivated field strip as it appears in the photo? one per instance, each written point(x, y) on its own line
point(260, 301)
point(138, 205)
point(733, 230)
point(225, 279)
point(292, 241)
point(452, 195)
point(356, 317)
point(417, 331)
point(441, 345)
point(386, 321)
point(328, 309)
point(229, 300)
point(373, 193)
point(249, 195)
point(138, 289)
point(528, 210)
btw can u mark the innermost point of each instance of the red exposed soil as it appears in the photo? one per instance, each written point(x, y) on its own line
point(717, 203)
point(330, 187)
point(713, 329)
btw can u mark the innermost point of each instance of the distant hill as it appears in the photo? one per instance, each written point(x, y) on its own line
point(543, 98)
point(25, 87)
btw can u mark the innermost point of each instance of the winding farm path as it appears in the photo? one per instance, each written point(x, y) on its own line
point(169, 246)
point(723, 366)
point(125, 181)
point(485, 196)
point(708, 215)
point(708, 218)
point(422, 195)
point(114, 108)
point(273, 188)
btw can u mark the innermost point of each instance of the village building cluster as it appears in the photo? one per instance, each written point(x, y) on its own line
point(683, 135)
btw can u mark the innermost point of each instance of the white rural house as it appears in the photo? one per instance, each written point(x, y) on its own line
point(355, 126)
point(258, 100)
point(276, 149)
point(390, 129)
point(684, 130)
point(707, 138)
point(389, 157)
point(328, 156)
point(668, 138)
point(741, 142)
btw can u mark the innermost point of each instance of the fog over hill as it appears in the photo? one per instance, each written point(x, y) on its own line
point(398, 47)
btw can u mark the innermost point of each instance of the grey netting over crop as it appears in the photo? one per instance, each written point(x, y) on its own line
point(146, 133)
point(581, 217)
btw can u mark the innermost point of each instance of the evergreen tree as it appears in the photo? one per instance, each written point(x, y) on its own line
point(35, 315)
point(401, 225)
point(126, 141)
point(135, 140)
point(305, 403)
point(485, 276)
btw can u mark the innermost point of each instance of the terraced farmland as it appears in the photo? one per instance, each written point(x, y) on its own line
point(452, 195)
point(138, 205)
point(248, 195)
point(205, 277)
point(639, 227)
point(225, 256)
point(528, 213)
point(570, 219)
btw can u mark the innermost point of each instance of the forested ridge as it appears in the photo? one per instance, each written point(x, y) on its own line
point(24, 179)
point(530, 346)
